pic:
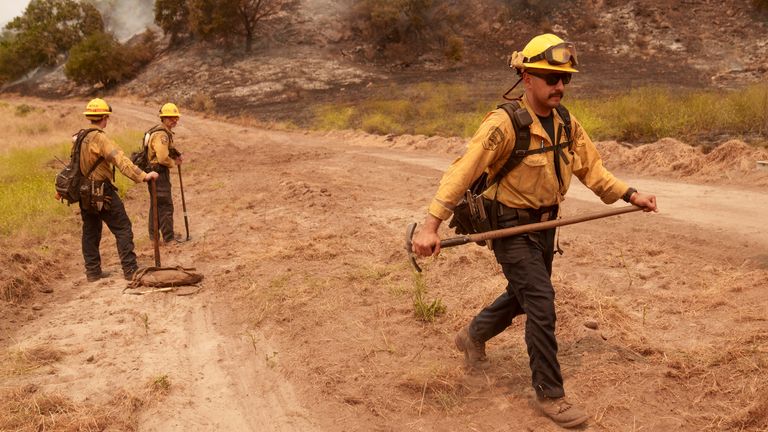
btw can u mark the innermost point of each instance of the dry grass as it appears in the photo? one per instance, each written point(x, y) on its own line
point(22, 361)
point(27, 408)
point(26, 271)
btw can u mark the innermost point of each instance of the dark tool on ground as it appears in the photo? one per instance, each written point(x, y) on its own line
point(183, 203)
point(155, 224)
point(158, 278)
point(508, 232)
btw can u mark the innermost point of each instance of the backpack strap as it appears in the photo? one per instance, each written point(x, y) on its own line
point(521, 122)
point(156, 128)
point(78, 148)
point(566, 116)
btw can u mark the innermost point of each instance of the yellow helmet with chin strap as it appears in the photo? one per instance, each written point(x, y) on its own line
point(169, 110)
point(545, 52)
point(97, 108)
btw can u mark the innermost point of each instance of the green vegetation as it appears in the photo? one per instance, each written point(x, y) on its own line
point(101, 59)
point(221, 20)
point(403, 30)
point(648, 114)
point(26, 191)
point(173, 17)
point(426, 108)
point(424, 309)
point(26, 186)
point(642, 115)
point(160, 384)
point(47, 29)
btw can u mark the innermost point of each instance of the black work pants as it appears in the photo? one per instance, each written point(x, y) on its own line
point(527, 264)
point(164, 205)
point(118, 223)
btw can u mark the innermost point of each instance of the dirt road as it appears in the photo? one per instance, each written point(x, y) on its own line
point(305, 320)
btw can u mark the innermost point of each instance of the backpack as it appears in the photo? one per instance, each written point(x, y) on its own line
point(68, 180)
point(140, 158)
point(474, 213)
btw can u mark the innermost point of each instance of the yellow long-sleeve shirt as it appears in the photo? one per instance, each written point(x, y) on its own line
point(159, 147)
point(533, 183)
point(97, 144)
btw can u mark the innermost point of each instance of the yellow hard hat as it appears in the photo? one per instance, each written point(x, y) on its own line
point(547, 52)
point(97, 107)
point(169, 110)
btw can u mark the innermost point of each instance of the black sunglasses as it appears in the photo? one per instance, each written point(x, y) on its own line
point(553, 78)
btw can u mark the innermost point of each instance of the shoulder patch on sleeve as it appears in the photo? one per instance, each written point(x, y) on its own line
point(494, 138)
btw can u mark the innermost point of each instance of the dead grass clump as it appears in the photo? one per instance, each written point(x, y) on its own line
point(160, 385)
point(23, 361)
point(26, 408)
point(202, 102)
point(28, 271)
point(753, 417)
point(438, 389)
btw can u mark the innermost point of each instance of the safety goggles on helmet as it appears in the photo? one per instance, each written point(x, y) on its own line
point(557, 55)
point(552, 78)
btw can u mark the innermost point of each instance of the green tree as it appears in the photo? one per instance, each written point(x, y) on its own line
point(14, 62)
point(173, 17)
point(230, 20)
point(412, 26)
point(99, 59)
point(251, 13)
point(49, 28)
point(212, 20)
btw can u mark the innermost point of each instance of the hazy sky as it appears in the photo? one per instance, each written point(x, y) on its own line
point(9, 9)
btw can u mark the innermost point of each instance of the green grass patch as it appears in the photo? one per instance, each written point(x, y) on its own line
point(27, 201)
point(649, 114)
point(640, 115)
point(425, 108)
point(425, 310)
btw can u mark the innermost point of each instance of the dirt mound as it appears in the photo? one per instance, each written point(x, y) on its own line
point(732, 162)
point(433, 144)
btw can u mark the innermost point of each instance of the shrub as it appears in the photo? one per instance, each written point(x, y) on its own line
point(331, 117)
point(100, 59)
point(455, 49)
point(202, 102)
point(404, 29)
point(380, 123)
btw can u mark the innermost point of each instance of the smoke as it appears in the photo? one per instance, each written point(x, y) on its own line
point(126, 18)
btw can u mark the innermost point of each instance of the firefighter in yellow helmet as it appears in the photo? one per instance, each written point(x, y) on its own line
point(163, 157)
point(529, 164)
point(99, 201)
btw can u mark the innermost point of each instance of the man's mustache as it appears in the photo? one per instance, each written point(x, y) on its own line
point(556, 93)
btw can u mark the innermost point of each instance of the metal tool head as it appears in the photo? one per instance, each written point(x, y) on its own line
point(409, 246)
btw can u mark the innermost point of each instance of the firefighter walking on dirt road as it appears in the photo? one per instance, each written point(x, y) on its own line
point(101, 203)
point(163, 157)
point(530, 192)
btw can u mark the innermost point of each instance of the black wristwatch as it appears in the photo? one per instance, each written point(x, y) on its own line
point(628, 194)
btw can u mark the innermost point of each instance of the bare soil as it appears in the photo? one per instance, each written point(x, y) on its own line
point(305, 320)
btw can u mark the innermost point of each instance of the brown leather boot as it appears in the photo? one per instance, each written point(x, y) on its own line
point(474, 351)
point(562, 412)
